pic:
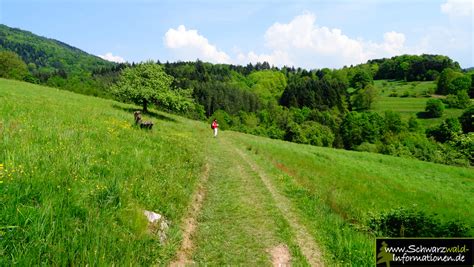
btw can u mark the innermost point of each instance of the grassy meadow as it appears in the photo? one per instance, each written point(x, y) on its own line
point(336, 191)
point(409, 99)
point(76, 175)
point(405, 89)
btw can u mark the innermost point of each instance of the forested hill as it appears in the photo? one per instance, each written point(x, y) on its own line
point(57, 64)
point(46, 55)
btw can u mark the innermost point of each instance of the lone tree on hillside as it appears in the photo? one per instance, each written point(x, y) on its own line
point(147, 82)
point(434, 108)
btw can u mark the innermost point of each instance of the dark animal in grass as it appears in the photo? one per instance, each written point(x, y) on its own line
point(143, 124)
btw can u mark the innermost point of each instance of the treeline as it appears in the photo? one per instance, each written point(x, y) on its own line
point(322, 107)
point(228, 88)
point(315, 93)
point(413, 67)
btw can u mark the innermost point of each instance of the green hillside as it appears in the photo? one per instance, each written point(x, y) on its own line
point(409, 99)
point(76, 176)
point(44, 55)
point(56, 64)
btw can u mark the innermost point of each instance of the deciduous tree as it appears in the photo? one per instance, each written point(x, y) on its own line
point(143, 84)
point(434, 108)
point(11, 66)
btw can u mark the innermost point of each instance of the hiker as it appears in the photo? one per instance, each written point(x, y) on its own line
point(214, 126)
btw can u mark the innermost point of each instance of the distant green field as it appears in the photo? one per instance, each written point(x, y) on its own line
point(76, 176)
point(406, 89)
point(409, 106)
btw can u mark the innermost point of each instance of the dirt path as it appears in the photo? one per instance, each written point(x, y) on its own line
point(306, 243)
point(240, 216)
point(190, 223)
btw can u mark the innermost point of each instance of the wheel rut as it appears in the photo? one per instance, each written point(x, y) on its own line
point(308, 246)
point(183, 256)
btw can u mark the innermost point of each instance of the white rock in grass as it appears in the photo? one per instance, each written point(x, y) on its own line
point(152, 216)
point(158, 225)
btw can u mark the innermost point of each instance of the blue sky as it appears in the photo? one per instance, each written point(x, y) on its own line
point(309, 34)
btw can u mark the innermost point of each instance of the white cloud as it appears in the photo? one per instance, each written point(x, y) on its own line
point(108, 56)
point(190, 45)
point(393, 41)
point(303, 43)
point(453, 42)
point(300, 43)
point(393, 44)
point(457, 8)
point(277, 57)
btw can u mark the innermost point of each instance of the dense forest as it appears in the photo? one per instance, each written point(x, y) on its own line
point(322, 107)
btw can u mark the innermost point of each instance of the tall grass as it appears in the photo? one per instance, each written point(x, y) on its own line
point(338, 191)
point(76, 176)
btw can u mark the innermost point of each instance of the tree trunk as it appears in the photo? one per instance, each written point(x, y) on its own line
point(145, 106)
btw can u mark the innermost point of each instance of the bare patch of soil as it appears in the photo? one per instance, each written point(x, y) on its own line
point(280, 256)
